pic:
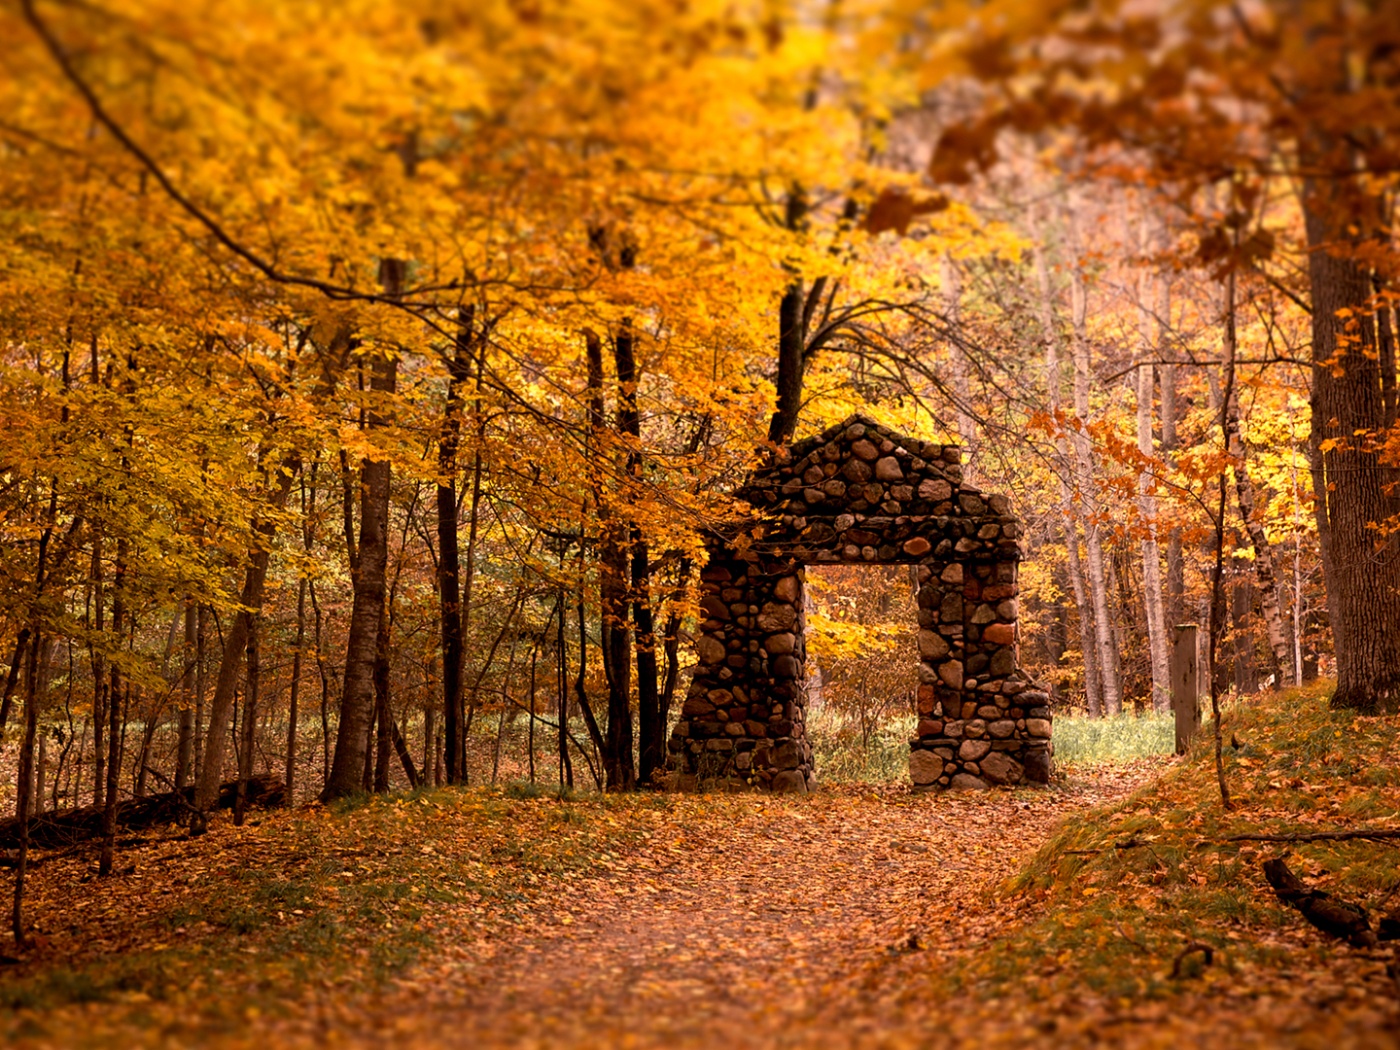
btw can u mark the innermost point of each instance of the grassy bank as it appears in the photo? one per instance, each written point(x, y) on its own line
point(1149, 897)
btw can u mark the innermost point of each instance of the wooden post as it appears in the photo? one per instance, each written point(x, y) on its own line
point(1185, 685)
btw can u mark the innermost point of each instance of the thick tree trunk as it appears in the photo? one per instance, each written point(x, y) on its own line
point(1353, 490)
point(367, 609)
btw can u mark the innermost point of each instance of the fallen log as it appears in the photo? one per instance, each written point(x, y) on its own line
point(1332, 915)
point(49, 830)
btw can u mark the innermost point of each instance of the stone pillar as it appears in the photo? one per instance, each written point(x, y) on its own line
point(743, 724)
point(982, 721)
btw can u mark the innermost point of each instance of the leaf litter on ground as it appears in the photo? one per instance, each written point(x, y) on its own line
point(856, 916)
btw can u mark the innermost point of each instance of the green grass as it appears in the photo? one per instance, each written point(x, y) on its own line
point(1097, 741)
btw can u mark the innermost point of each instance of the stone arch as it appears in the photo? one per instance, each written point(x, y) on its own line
point(862, 493)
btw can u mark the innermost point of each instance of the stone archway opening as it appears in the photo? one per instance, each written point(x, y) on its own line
point(862, 670)
point(860, 493)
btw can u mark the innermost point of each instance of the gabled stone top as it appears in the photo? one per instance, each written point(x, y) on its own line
point(862, 492)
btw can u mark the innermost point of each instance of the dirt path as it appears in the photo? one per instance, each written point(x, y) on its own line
point(749, 938)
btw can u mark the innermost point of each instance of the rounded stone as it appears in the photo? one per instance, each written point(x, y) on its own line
point(1038, 727)
point(790, 782)
point(787, 589)
point(924, 767)
point(710, 650)
point(780, 644)
point(973, 750)
point(999, 633)
point(888, 469)
point(932, 645)
point(917, 547)
point(1001, 768)
point(863, 449)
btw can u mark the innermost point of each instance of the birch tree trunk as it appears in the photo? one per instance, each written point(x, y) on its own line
point(1151, 331)
point(1084, 474)
point(1093, 695)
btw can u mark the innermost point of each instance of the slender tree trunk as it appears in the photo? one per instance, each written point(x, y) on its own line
point(234, 652)
point(100, 682)
point(1151, 557)
point(184, 745)
point(566, 769)
point(1265, 569)
point(250, 722)
point(1176, 572)
point(26, 776)
point(962, 387)
point(201, 632)
point(1088, 636)
point(449, 585)
point(617, 578)
point(1084, 481)
point(289, 774)
point(114, 716)
point(383, 705)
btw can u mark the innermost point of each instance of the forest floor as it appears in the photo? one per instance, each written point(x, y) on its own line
point(850, 917)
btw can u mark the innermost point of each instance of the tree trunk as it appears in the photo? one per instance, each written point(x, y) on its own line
point(250, 722)
point(962, 388)
point(1088, 644)
point(114, 717)
point(99, 681)
point(1084, 482)
point(235, 650)
point(618, 577)
point(1353, 490)
point(367, 609)
point(26, 777)
point(1151, 556)
point(184, 745)
point(449, 584)
point(290, 768)
point(383, 706)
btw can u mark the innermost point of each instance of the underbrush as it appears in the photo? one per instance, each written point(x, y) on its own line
point(1116, 900)
point(842, 755)
point(1097, 741)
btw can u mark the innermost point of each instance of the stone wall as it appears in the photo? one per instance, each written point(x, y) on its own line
point(861, 493)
